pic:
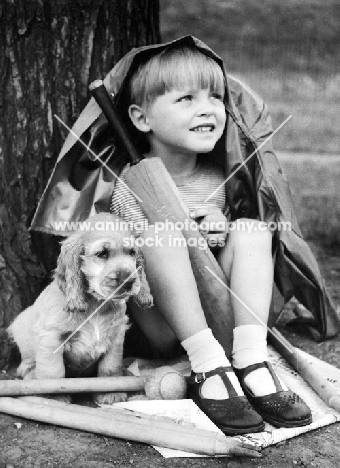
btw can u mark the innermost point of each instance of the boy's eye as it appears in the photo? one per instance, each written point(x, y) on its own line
point(217, 96)
point(187, 97)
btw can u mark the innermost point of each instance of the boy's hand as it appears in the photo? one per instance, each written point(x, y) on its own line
point(212, 224)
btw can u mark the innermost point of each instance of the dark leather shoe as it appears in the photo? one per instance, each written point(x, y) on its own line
point(234, 415)
point(281, 409)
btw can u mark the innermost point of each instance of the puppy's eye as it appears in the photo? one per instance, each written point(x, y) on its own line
point(133, 252)
point(103, 254)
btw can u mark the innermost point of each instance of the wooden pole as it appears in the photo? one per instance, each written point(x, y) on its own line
point(81, 385)
point(111, 413)
point(149, 432)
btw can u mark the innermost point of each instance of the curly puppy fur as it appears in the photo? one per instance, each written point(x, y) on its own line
point(98, 271)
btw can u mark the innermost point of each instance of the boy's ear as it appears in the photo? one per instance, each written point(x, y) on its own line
point(139, 118)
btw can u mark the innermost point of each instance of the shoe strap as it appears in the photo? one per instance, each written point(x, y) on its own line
point(265, 364)
point(200, 377)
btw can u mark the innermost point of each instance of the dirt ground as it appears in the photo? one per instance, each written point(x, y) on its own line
point(35, 445)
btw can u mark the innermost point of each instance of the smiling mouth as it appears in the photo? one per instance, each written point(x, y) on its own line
point(203, 128)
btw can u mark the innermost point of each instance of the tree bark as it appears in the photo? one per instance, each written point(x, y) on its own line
point(50, 50)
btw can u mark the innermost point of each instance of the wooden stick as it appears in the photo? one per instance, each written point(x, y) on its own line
point(311, 375)
point(149, 432)
point(82, 385)
point(113, 413)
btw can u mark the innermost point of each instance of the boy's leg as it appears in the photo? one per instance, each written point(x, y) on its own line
point(178, 313)
point(173, 286)
point(247, 262)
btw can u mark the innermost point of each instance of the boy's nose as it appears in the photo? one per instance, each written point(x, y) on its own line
point(205, 107)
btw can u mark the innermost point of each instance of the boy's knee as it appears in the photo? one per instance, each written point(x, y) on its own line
point(251, 231)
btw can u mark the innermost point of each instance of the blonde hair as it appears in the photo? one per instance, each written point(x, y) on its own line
point(175, 68)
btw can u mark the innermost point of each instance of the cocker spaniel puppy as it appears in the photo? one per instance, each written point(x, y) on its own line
point(98, 271)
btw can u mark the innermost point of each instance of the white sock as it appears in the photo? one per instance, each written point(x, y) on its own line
point(250, 347)
point(206, 354)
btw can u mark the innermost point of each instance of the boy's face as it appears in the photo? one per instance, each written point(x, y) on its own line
point(184, 122)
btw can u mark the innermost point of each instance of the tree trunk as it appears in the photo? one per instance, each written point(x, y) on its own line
point(50, 50)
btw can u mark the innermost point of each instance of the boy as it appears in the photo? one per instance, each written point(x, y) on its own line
point(177, 103)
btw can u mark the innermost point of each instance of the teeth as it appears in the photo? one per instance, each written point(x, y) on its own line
point(203, 129)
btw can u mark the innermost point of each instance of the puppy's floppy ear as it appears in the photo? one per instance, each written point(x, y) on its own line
point(144, 297)
point(68, 273)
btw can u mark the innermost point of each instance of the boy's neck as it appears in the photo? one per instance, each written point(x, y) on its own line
point(177, 164)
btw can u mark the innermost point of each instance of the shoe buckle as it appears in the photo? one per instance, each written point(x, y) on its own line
point(200, 377)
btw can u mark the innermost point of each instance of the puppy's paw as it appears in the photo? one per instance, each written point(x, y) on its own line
point(109, 398)
point(26, 370)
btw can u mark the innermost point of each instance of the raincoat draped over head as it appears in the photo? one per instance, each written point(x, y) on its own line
point(83, 179)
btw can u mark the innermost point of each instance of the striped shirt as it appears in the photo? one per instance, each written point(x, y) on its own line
point(193, 188)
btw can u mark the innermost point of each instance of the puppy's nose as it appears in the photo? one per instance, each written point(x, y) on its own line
point(124, 276)
point(127, 286)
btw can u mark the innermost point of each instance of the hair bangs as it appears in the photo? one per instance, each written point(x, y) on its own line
point(176, 68)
